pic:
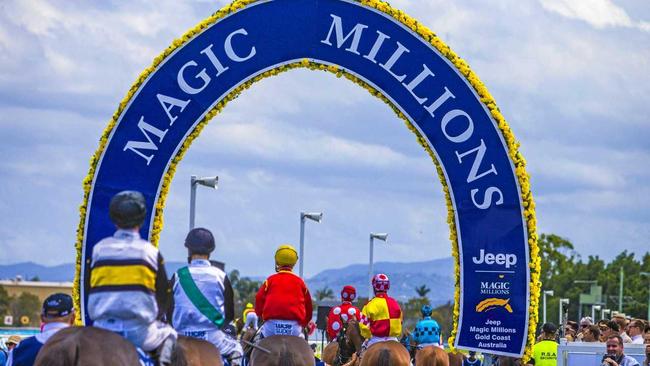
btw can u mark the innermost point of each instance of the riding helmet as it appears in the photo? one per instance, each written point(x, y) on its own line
point(199, 241)
point(380, 283)
point(128, 209)
point(286, 255)
point(426, 310)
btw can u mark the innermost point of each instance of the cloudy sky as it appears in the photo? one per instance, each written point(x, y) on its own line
point(571, 77)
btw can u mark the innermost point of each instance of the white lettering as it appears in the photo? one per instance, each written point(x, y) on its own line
point(480, 153)
point(149, 145)
point(487, 197)
point(465, 135)
point(182, 83)
point(214, 60)
point(499, 258)
point(417, 80)
point(375, 47)
point(168, 103)
point(438, 102)
point(227, 45)
point(337, 25)
point(393, 59)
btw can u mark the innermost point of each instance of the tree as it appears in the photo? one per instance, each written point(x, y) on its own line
point(324, 293)
point(5, 300)
point(28, 305)
point(422, 291)
point(244, 290)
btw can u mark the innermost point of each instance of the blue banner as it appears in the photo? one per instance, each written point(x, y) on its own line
point(378, 49)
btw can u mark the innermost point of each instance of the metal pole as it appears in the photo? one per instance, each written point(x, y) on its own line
point(559, 319)
point(620, 292)
point(192, 200)
point(302, 242)
point(370, 271)
point(544, 310)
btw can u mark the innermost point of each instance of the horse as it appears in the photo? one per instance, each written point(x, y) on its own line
point(282, 350)
point(432, 356)
point(389, 353)
point(81, 346)
point(342, 350)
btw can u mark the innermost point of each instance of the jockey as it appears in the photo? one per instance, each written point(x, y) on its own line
point(57, 313)
point(283, 300)
point(250, 317)
point(340, 314)
point(203, 297)
point(129, 291)
point(381, 318)
point(427, 330)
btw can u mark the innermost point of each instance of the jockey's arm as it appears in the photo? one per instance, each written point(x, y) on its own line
point(363, 327)
point(260, 298)
point(163, 290)
point(228, 301)
point(309, 307)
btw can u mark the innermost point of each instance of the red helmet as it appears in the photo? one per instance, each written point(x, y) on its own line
point(380, 283)
point(348, 293)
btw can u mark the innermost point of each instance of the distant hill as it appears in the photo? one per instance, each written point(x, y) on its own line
point(436, 274)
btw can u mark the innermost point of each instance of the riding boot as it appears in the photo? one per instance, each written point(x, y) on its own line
point(165, 351)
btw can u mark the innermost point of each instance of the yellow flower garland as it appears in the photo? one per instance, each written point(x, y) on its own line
point(425, 33)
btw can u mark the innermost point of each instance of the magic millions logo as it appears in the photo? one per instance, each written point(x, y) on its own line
point(495, 288)
point(493, 303)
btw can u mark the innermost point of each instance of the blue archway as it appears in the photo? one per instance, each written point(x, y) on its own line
point(491, 210)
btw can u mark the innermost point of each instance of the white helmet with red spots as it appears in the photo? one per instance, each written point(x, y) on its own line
point(380, 283)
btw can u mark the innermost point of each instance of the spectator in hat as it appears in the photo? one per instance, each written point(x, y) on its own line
point(545, 351)
point(12, 342)
point(57, 313)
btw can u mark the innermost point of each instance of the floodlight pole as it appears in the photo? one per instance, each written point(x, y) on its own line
point(314, 216)
point(382, 237)
point(194, 181)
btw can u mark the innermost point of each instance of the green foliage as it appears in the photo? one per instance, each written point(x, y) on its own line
point(562, 266)
point(244, 290)
point(4, 302)
point(324, 293)
point(28, 305)
point(422, 291)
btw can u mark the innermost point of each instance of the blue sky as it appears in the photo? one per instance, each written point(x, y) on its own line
point(572, 79)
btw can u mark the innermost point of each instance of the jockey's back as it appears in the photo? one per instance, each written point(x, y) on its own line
point(427, 331)
point(123, 279)
point(210, 281)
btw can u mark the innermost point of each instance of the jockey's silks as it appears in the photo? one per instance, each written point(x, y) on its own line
point(123, 277)
point(381, 317)
point(284, 296)
point(341, 314)
point(427, 331)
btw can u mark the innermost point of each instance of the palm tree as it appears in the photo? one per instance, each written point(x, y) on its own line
point(324, 293)
point(422, 291)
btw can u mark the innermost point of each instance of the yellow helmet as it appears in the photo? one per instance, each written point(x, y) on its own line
point(249, 306)
point(286, 255)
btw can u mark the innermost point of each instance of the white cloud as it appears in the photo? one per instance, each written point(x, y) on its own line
point(598, 13)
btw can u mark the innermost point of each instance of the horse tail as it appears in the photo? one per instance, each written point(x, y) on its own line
point(286, 358)
point(384, 358)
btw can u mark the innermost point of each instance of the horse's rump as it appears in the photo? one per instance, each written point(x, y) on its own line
point(87, 346)
point(283, 351)
point(431, 356)
point(386, 353)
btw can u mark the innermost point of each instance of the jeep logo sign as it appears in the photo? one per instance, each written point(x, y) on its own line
point(501, 259)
